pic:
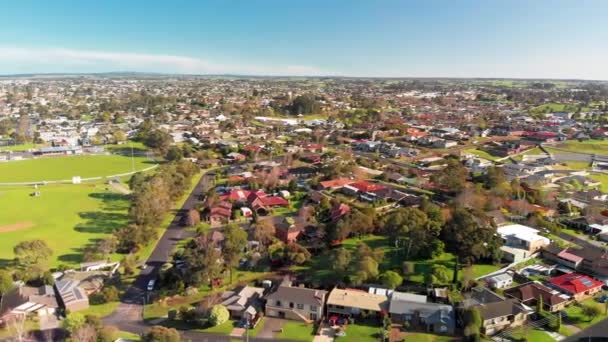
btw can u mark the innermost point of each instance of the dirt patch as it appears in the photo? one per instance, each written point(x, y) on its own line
point(16, 226)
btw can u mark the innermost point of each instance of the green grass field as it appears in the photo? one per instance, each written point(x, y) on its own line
point(481, 154)
point(20, 147)
point(297, 331)
point(601, 178)
point(360, 332)
point(588, 146)
point(61, 168)
point(67, 217)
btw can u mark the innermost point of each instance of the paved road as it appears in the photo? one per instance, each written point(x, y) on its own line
point(128, 315)
point(595, 333)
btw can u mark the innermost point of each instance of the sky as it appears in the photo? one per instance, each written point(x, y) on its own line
point(375, 38)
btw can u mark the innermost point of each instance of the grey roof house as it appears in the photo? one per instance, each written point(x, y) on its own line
point(414, 309)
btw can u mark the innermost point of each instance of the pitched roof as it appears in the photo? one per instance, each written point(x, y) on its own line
point(336, 183)
point(367, 186)
point(532, 291)
point(500, 309)
point(358, 299)
point(575, 283)
point(300, 295)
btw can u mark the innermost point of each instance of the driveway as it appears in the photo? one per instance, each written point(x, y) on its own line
point(271, 327)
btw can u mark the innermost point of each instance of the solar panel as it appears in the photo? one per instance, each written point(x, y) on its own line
point(586, 282)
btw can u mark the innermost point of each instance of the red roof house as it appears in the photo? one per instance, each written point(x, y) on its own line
point(579, 286)
point(366, 186)
point(335, 183)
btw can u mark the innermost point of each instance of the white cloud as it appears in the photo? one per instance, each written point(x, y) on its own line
point(68, 60)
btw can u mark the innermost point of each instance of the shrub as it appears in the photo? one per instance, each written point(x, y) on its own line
point(218, 315)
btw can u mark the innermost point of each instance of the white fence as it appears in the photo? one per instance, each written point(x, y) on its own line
point(70, 181)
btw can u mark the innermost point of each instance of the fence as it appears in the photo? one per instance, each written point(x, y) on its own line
point(70, 181)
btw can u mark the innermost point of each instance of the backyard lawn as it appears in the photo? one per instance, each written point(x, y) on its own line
point(318, 270)
point(362, 333)
point(601, 178)
point(575, 314)
point(297, 331)
point(67, 217)
point(482, 154)
point(64, 168)
point(532, 335)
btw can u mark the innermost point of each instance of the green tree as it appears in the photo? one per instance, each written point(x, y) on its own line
point(471, 235)
point(540, 307)
point(590, 311)
point(218, 315)
point(6, 284)
point(73, 322)
point(296, 254)
point(32, 252)
point(235, 240)
point(339, 258)
point(452, 178)
point(391, 279)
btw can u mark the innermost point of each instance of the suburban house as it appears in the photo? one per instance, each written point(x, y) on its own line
point(351, 302)
point(244, 302)
point(296, 303)
point(220, 213)
point(414, 309)
point(71, 296)
point(577, 285)
point(500, 281)
point(592, 261)
point(529, 293)
point(27, 299)
point(497, 313)
point(520, 241)
point(288, 231)
point(497, 316)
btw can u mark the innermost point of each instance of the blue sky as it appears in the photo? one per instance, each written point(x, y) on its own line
point(431, 38)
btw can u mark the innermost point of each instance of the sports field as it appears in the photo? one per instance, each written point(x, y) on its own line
point(62, 168)
point(67, 217)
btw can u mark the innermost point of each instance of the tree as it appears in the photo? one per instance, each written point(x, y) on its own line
point(391, 279)
point(452, 178)
point(23, 133)
point(161, 334)
point(540, 307)
point(264, 231)
point(218, 315)
point(456, 269)
point(471, 235)
point(158, 140)
point(193, 217)
point(414, 231)
point(296, 254)
point(119, 136)
point(590, 311)
point(368, 269)
point(73, 322)
point(174, 153)
point(339, 259)
point(6, 284)
point(32, 252)
point(235, 240)
point(439, 275)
